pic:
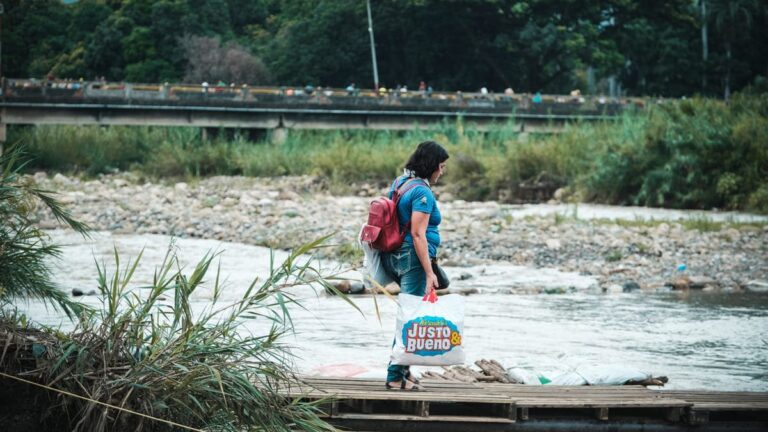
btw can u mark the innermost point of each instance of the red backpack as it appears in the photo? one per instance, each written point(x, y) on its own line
point(383, 228)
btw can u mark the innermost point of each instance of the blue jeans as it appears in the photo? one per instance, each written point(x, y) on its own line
point(405, 268)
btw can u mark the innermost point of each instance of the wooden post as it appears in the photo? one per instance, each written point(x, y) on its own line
point(422, 408)
point(673, 414)
point(602, 414)
point(510, 412)
point(335, 408)
point(698, 417)
point(366, 406)
point(523, 413)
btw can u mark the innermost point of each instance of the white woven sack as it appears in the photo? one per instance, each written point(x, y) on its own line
point(372, 272)
point(429, 334)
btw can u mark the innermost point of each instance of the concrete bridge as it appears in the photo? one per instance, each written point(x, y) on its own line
point(278, 109)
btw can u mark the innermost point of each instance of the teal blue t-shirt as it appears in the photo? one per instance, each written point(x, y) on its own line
point(420, 199)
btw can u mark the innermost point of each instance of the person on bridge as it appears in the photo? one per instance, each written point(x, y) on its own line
point(411, 266)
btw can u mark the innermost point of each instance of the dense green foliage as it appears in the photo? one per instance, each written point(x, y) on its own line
point(694, 153)
point(652, 48)
point(24, 249)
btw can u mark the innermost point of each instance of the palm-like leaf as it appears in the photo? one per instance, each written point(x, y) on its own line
point(24, 248)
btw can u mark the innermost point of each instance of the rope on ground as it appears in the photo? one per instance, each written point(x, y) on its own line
point(66, 393)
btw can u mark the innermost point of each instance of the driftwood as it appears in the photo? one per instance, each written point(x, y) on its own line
point(490, 371)
point(494, 369)
point(652, 381)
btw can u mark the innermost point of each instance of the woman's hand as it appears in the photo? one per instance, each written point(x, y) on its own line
point(419, 223)
point(432, 283)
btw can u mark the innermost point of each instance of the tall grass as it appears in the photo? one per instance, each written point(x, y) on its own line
point(24, 248)
point(689, 154)
point(198, 368)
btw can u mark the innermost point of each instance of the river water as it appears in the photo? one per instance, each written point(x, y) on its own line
point(700, 340)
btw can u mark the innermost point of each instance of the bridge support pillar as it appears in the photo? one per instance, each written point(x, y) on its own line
point(279, 135)
point(209, 133)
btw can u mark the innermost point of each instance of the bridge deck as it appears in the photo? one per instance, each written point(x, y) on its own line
point(364, 404)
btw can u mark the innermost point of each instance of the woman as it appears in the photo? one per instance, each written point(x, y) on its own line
point(411, 265)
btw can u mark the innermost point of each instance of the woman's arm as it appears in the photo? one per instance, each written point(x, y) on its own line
point(419, 222)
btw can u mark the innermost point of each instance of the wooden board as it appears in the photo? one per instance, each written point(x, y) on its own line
point(368, 399)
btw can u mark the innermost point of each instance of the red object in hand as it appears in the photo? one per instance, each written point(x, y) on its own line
point(431, 296)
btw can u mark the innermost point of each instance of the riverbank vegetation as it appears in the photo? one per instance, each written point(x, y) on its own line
point(147, 358)
point(154, 353)
point(697, 153)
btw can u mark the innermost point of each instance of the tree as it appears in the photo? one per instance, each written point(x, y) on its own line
point(732, 18)
point(86, 16)
point(652, 46)
point(35, 34)
point(209, 60)
point(208, 17)
point(322, 43)
point(104, 55)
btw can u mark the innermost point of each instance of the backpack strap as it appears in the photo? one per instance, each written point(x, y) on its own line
point(399, 192)
point(406, 186)
point(393, 189)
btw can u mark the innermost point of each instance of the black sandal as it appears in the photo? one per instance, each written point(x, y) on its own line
point(409, 376)
point(415, 387)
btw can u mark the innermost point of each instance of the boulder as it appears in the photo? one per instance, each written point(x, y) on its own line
point(733, 233)
point(344, 286)
point(757, 286)
point(630, 286)
point(553, 244)
point(681, 283)
point(61, 179)
point(702, 282)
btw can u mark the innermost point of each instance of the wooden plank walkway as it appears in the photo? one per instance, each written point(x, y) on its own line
point(367, 405)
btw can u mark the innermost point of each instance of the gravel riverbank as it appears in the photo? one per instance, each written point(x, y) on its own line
point(642, 249)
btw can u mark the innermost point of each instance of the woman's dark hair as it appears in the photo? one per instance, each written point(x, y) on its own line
point(426, 159)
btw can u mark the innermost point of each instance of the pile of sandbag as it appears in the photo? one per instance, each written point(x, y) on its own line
point(595, 375)
point(602, 375)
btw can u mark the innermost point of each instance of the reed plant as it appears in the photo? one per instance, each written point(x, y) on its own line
point(149, 351)
point(25, 249)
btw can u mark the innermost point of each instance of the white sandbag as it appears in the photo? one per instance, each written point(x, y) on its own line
point(373, 270)
point(524, 376)
point(569, 379)
point(429, 334)
point(611, 374)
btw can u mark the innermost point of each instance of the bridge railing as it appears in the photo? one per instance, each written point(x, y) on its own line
point(193, 94)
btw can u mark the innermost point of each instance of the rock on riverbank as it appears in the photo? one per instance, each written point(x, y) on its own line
point(287, 211)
